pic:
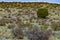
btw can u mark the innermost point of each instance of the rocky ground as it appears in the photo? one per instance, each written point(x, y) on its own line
point(14, 19)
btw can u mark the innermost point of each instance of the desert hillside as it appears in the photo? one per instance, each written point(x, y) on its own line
point(17, 18)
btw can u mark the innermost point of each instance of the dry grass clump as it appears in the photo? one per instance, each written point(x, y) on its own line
point(56, 26)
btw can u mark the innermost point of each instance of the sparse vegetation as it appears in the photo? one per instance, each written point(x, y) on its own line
point(18, 33)
point(56, 26)
point(19, 20)
point(2, 22)
point(29, 4)
point(39, 35)
point(44, 28)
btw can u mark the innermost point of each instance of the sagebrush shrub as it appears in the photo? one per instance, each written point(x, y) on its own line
point(39, 35)
point(18, 33)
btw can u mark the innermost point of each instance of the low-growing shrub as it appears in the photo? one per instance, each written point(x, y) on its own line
point(11, 26)
point(44, 28)
point(18, 33)
point(39, 35)
point(42, 13)
point(56, 26)
point(2, 22)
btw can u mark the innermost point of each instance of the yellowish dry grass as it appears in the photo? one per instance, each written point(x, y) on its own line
point(26, 4)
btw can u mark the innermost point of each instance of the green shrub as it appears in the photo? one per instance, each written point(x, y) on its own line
point(42, 13)
point(44, 28)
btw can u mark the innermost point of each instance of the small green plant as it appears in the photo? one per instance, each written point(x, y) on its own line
point(44, 28)
point(56, 26)
point(42, 13)
point(2, 22)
